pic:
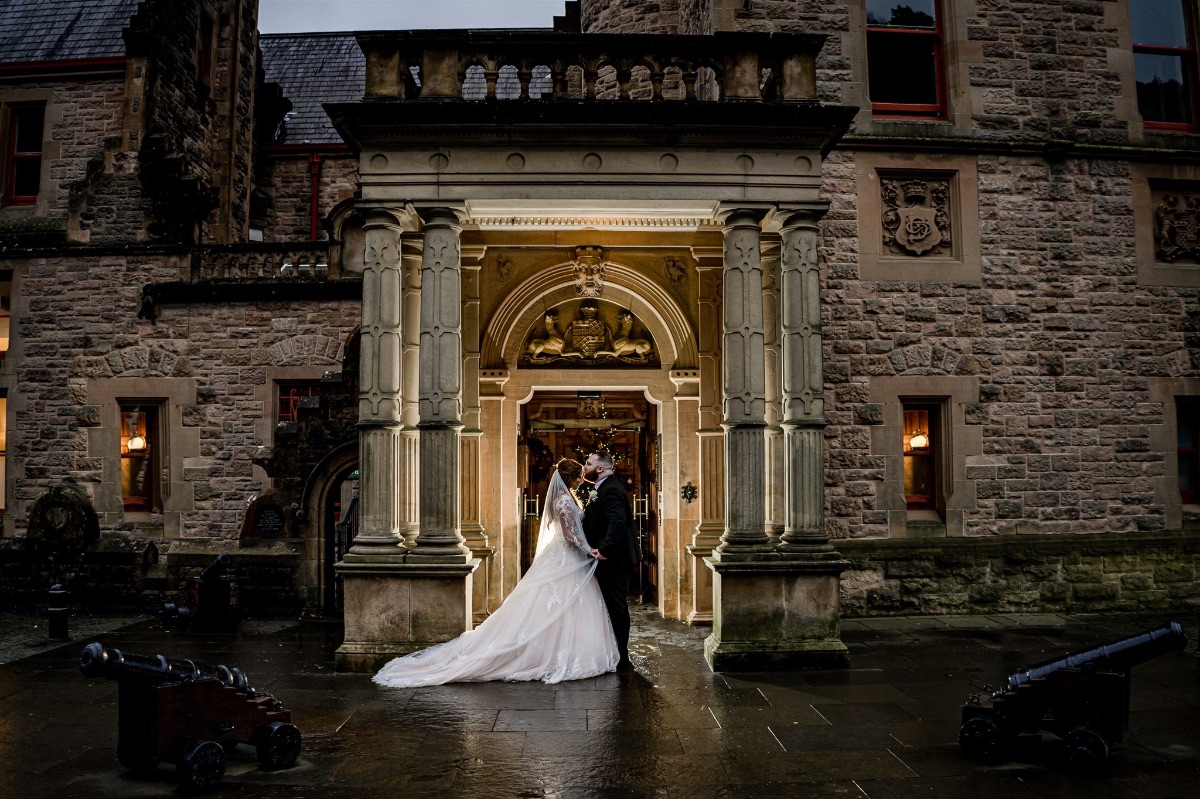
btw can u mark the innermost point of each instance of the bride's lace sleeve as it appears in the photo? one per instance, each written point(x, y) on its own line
point(568, 521)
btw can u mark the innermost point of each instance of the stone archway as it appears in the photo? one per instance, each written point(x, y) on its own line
point(671, 389)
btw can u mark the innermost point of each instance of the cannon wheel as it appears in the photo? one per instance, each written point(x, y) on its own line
point(278, 745)
point(202, 764)
point(982, 741)
point(1086, 749)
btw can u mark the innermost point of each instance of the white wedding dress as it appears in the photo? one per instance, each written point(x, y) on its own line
point(552, 627)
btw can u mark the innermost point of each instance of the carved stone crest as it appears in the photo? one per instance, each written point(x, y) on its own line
point(504, 268)
point(1177, 226)
point(916, 217)
point(589, 333)
point(676, 271)
point(589, 271)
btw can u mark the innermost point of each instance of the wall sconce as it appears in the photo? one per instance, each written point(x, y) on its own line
point(918, 441)
point(136, 441)
point(688, 492)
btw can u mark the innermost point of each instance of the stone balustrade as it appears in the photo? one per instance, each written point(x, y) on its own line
point(551, 66)
point(309, 260)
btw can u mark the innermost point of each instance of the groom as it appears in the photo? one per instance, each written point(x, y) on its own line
point(608, 525)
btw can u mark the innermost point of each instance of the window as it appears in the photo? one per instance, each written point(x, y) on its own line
point(1164, 62)
point(904, 58)
point(1188, 447)
point(296, 395)
point(139, 457)
point(204, 49)
point(23, 165)
point(920, 456)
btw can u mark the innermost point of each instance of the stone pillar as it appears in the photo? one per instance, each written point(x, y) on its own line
point(772, 607)
point(744, 395)
point(410, 489)
point(379, 393)
point(711, 483)
point(815, 624)
point(377, 553)
point(471, 457)
point(400, 599)
point(440, 401)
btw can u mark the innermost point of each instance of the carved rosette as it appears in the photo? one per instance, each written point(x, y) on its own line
point(1177, 226)
point(916, 215)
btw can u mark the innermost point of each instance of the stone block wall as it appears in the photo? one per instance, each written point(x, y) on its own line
point(288, 184)
point(77, 326)
point(80, 115)
point(1029, 574)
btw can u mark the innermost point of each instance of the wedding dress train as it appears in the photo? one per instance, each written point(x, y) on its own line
point(552, 627)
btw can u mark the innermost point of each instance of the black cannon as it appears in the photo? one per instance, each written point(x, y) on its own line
point(206, 601)
point(1083, 698)
point(190, 714)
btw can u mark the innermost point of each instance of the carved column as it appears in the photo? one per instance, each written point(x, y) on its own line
point(440, 537)
point(775, 605)
point(743, 364)
point(410, 488)
point(379, 393)
point(771, 317)
point(803, 389)
point(711, 488)
point(472, 476)
point(371, 570)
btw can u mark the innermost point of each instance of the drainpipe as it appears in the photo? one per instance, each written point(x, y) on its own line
point(314, 172)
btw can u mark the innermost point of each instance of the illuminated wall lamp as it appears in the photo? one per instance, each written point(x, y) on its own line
point(136, 444)
point(919, 441)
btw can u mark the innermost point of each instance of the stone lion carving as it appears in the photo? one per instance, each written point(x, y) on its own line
point(623, 345)
point(552, 344)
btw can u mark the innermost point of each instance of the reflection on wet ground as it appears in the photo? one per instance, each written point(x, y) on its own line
point(886, 728)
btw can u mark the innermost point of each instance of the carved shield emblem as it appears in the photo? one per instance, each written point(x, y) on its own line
point(918, 232)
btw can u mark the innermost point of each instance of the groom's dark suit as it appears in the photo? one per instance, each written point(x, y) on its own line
point(608, 525)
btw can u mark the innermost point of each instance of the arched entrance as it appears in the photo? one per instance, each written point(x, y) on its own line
point(572, 424)
point(330, 513)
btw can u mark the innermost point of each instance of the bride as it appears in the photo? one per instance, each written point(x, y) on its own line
point(552, 627)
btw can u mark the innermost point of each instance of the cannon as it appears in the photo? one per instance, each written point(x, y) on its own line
point(1083, 698)
point(206, 600)
point(190, 714)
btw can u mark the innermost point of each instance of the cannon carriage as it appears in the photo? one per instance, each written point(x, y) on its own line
point(1083, 698)
point(190, 714)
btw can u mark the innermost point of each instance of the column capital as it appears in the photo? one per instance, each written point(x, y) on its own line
point(742, 214)
point(787, 217)
point(400, 219)
point(445, 214)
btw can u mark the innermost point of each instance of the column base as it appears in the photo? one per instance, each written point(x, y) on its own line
point(776, 615)
point(392, 609)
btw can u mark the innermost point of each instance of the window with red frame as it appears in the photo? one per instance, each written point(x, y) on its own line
point(293, 396)
point(23, 170)
point(1164, 62)
point(904, 58)
point(1187, 425)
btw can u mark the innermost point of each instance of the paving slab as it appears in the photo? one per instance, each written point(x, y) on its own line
point(886, 728)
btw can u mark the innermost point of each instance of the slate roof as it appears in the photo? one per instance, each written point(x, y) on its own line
point(313, 68)
point(49, 30)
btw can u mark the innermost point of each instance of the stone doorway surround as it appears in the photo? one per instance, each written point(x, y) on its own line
point(452, 158)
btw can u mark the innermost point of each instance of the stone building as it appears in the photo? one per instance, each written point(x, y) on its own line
point(892, 307)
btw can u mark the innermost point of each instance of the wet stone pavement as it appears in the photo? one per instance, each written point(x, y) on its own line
point(886, 728)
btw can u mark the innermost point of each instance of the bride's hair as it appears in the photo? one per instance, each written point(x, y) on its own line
point(569, 470)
